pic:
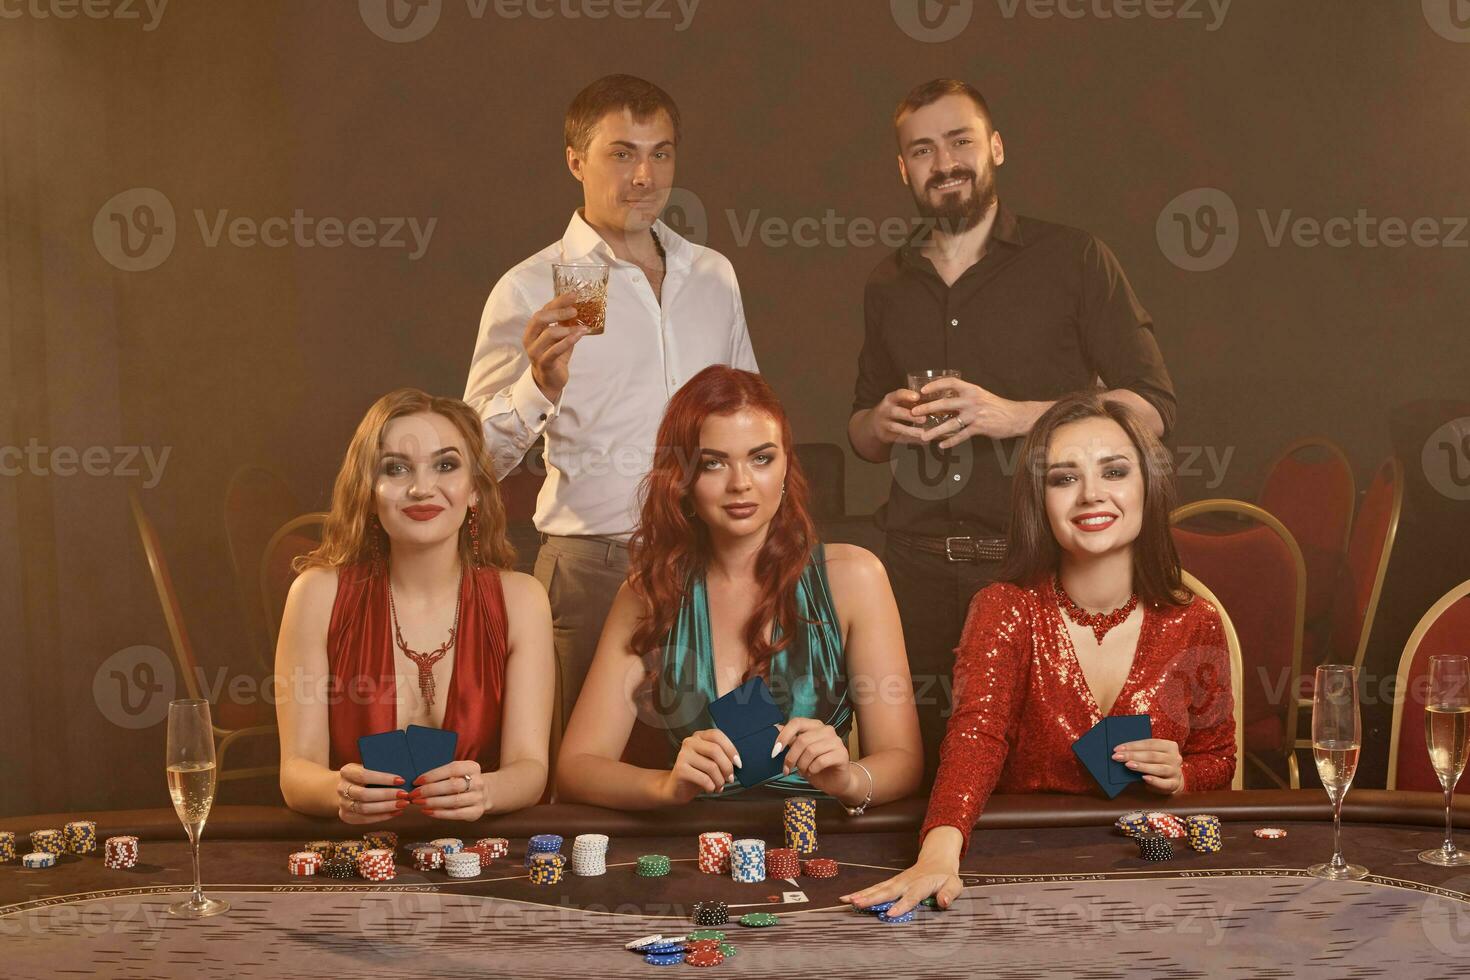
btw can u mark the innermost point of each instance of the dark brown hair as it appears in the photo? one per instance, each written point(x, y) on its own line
point(933, 91)
point(611, 93)
point(1032, 552)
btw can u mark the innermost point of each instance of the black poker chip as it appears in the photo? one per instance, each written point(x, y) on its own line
point(337, 868)
point(711, 913)
point(1154, 847)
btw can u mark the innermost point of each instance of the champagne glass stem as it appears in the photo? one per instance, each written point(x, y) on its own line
point(198, 888)
point(1449, 826)
point(1337, 858)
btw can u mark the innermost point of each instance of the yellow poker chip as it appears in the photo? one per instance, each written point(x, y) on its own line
point(1270, 833)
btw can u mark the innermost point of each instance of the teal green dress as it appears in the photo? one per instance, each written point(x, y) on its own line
point(808, 679)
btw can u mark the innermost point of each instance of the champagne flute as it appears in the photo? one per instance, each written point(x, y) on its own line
point(1447, 733)
point(1337, 736)
point(191, 779)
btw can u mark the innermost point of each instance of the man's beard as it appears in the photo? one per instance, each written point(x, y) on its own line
point(957, 211)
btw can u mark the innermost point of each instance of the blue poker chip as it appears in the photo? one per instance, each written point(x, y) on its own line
point(664, 959)
point(878, 909)
point(664, 949)
point(906, 917)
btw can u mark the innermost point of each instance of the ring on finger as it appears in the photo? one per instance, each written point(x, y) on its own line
point(466, 783)
point(352, 806)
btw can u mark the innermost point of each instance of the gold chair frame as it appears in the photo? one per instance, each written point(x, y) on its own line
point(1237, 674)
point(272, 614)
point(1406, 660)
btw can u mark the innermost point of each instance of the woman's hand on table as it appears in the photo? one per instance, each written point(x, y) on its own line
point(368, 796)
point(1159, 761)
point(456, 791)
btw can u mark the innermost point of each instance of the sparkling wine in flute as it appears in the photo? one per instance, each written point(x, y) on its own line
point(192, 788)
point(1447, 733)
point(1337, 763)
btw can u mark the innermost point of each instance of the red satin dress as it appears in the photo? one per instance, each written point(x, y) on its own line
point(1021, 701)
point(360, 652)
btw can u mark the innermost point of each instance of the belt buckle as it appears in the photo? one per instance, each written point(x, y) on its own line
point(949, 548)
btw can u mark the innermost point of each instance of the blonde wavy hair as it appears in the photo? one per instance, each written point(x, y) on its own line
point(349, 533)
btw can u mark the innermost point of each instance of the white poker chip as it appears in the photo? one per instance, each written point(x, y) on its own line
point(646, 941)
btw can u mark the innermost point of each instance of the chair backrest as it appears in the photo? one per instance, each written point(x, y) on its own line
point(1355, 601)
point(1237, 675)
point(275, 575)
point(1251, 563)
point(168, 598)
point(257, 501)
point(825, 466)
point(1310, 488)
point(1444, 629)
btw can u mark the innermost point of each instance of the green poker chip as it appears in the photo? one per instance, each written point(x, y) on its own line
point(699, 934)
point(727, 950)
point(759, 919)
point(930, 903)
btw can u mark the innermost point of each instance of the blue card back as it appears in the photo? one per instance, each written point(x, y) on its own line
point(388, 752)
point(430, 748)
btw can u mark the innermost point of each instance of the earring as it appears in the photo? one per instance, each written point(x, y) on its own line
point(474, 519)
point(375, 548)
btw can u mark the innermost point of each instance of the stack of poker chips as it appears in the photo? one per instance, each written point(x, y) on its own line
point(880, 912)
point(120, 852)
point(39, 859)
point(7, 845)
point(462, 864)
point(80, 837)
point(748, 860)
point(498, 847)
point(660, 950)
point(385, 840)
point(49, 841)
point(323, 847)
point(305, 863)
point(800, 822)
point(1133, 823)
point(376, 864)
point(1165, 824)
point(449, 845)
point(706, 952)
point(1204, 832)
point(714, 852)
point(759, 920)
point(711, 913)
point(339, 867)
point(349, 850)
point(548, 869)
point(482, 852)
point(427, 857)
point(782, 862)
point(1154, 846)
point(542, 844)
point(819, 868)
point(589, 855)
point(653, 865)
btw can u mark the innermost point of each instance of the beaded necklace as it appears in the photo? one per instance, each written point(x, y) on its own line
point(1099, 623)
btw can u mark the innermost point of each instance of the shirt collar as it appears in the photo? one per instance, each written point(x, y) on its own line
point(1005, 229)
point(581, 242)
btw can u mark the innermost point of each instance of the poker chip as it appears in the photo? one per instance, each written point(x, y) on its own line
point(906, 917)
point(338, 868)
point(589, 855)
point(498, 847)
point(664, 959)
point(376, 864)
point(348, 849)
point(1132, 824)
point(547, 869)
point(748, 860)
point(653, 865)
point(799, 821)
point(304, 863)
point(759, 920)
point(1204, 831)
point(49, 841)
point(782, 862)
point(705, 957)
point(80, 837)
point(462, 864)
point(705, 935)
point(714, 852)
point(1155, 847)
point(427, 857)
point(482, 854)
point(711, 913)
point(727, 950)
point(819, 868)
point(1270, 833)
point(39, 859)
point(1165, 824)
point(638, 945)
point(931, 903)
point(120, 853)
point(322, 847)
point(665, 947)
point(386, 840)
point(876, 909)
point(7, 845)
point(542, 844)
point(449, 845)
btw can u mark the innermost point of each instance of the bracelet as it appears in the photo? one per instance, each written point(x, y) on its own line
point(857, 811)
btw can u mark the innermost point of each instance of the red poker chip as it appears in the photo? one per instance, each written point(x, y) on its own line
point(1269, 833)
point(819, 868)
point(702, 945)
point(705, 958)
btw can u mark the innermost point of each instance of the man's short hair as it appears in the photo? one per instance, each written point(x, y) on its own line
point(933, 91)
point(611, 93)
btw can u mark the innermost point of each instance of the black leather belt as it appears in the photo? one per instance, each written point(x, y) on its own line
point(954, 547)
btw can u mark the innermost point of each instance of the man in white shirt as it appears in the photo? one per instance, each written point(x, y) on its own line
point(673, 308)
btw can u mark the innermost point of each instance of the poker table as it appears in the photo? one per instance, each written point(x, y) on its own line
point(1052, 890)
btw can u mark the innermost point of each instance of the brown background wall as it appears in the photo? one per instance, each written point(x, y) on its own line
point(227, 355)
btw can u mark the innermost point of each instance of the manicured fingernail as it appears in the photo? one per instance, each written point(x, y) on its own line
point(397, 780)
point(776, 749)
point(400, 804)
point(427, 810)
point(1118, 757)
point(1132, 765)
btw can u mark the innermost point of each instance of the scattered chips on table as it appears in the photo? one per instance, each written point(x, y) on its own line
point(654, 865)
point(120, 853)
point(704, 935)
point(1270, 833)
point(819, 868)
point(759, 920)
point(664, 959)
point(886, 917)
point(638, 945)
point(711, 913)
point(39, 859)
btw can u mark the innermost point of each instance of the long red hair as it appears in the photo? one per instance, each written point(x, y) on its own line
point(670, 546)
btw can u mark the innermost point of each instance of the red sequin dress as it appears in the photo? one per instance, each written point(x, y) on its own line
point(1021, 701)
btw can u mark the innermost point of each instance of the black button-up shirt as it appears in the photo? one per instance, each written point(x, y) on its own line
point(1046, 311)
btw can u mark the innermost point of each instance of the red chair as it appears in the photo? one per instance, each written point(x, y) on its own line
point(1252, 564)
point(1310, 488)
point(233, 720)
point(296, 537)
point(1355, 601)
point(257, 501)
point(1444, 629)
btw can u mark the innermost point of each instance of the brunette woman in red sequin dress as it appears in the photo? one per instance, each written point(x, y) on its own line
point(1089, 619)
point(409, 614)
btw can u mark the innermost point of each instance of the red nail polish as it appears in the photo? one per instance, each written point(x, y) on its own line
point(426, 810)
point(400, 804)
point(397, 780)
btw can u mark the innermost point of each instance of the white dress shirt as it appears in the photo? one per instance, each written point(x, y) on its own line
point(600, 435)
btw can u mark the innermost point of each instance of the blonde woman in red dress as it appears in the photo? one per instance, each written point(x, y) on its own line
point(1089, 619)
point(409, 614)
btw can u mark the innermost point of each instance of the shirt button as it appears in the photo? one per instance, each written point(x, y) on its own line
point(954, 323)
point(956, 478)
point(543, 416)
